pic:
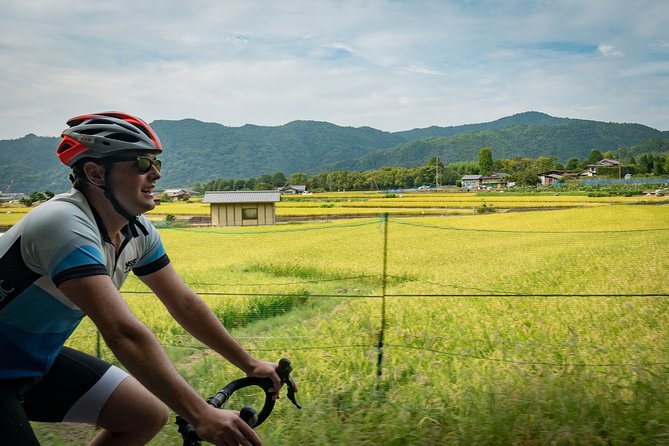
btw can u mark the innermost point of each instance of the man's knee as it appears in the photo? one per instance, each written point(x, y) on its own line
point(132, 408)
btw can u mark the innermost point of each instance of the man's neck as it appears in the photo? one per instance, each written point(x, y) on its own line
point(112, 220)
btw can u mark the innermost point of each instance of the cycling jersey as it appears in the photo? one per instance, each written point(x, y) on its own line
point(59, 240)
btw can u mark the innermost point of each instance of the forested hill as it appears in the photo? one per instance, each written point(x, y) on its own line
point(197, 152)
point(563, 138)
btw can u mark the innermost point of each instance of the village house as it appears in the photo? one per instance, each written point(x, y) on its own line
point(12, 196)
point(242, 208)
point(293, 189)
point(551, 177)
point(606, 162)
point(495, 180)
point(176, 194)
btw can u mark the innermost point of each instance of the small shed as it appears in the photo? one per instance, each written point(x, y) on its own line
point(242, 208)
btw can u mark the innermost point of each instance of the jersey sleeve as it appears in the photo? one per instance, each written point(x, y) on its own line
point(153, 255)
point(61, 241)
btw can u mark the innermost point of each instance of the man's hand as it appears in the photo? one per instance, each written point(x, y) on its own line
point(266, 369)
point(226, 428)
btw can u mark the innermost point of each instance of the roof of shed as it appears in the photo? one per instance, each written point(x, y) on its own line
point(265, 196)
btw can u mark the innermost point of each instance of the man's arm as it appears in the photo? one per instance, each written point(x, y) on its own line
point(196, 317)
point(140, 352)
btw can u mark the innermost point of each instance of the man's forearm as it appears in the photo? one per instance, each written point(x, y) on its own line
point(203, 324)
point(140, 352)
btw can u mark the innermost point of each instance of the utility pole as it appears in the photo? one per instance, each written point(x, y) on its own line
point(437, 177)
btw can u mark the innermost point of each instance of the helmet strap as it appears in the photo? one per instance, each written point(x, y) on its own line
point(133, 221)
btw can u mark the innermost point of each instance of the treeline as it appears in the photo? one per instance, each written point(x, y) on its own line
point(522, 171)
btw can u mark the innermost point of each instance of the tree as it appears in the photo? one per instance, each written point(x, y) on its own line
point(264, 182)
point(658, 165)
point(485, 161)
point(279, 179)
point(595, 155)
point(547, 163)
point(572, 164)
point(298, 178)
point(525, 178)
point(238, 184)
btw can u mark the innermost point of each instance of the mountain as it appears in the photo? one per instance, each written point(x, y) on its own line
point(29, 164)
point(198, 151)
point(528, 135)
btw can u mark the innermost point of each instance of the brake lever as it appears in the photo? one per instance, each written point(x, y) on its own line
point(284, 369)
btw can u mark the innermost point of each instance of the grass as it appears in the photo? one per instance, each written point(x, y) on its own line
point(472, 354)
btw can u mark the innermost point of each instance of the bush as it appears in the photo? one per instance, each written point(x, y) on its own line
point(485, 209)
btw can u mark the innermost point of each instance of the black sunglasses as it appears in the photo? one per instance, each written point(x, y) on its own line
point(142, 163)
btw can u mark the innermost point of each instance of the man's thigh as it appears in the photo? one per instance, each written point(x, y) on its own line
point(15, 427)
point(75, 389)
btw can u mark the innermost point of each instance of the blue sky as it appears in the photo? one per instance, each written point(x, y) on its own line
point(391, 65)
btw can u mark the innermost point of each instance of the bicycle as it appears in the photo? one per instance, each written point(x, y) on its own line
point(247, 413)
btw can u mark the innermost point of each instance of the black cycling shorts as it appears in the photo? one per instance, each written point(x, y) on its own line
point(74, 389)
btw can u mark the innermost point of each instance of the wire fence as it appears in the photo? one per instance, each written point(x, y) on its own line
point(524, 292)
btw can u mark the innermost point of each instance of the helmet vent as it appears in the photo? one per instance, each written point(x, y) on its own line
point(90, 131)
point(123, 137)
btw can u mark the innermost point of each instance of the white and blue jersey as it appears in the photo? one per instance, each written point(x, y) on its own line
point(59, 240)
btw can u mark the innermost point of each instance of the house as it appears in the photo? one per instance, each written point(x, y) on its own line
point(553, 176)
point(242, 208)
point(495, 180)
point(12, 196)
point(471, 181)
point(293, 189)
point(606, 162)
point(176, 194)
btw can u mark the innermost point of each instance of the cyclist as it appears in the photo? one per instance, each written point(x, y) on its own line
point(67, 259)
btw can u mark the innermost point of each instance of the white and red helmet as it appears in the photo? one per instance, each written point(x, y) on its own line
point(101, 135)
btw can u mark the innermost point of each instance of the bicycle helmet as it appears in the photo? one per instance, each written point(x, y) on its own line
point(100, 135)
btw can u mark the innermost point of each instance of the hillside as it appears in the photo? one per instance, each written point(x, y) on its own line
point(561, 138)
point(197, 152)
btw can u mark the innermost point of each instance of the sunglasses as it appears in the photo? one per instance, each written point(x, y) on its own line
point(142, 163)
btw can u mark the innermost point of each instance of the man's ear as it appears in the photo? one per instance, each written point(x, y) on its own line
point(95, 173)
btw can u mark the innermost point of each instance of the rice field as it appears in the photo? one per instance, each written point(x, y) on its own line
point(419, 204)
point(527, 328)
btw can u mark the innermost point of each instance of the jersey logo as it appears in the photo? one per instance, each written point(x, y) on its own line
point(129, 265)
point(4, 292)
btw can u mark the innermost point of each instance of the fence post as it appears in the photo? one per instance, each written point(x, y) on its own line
point(382, 330)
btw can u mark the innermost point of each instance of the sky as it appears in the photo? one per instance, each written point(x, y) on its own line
point(388, 64)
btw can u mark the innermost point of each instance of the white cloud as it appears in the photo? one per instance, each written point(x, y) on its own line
point(388, 64)
point(609, 50)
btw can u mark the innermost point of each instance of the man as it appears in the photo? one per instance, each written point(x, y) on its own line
point(68, 258)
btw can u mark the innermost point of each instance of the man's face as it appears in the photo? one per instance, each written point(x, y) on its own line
point(133, 188)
